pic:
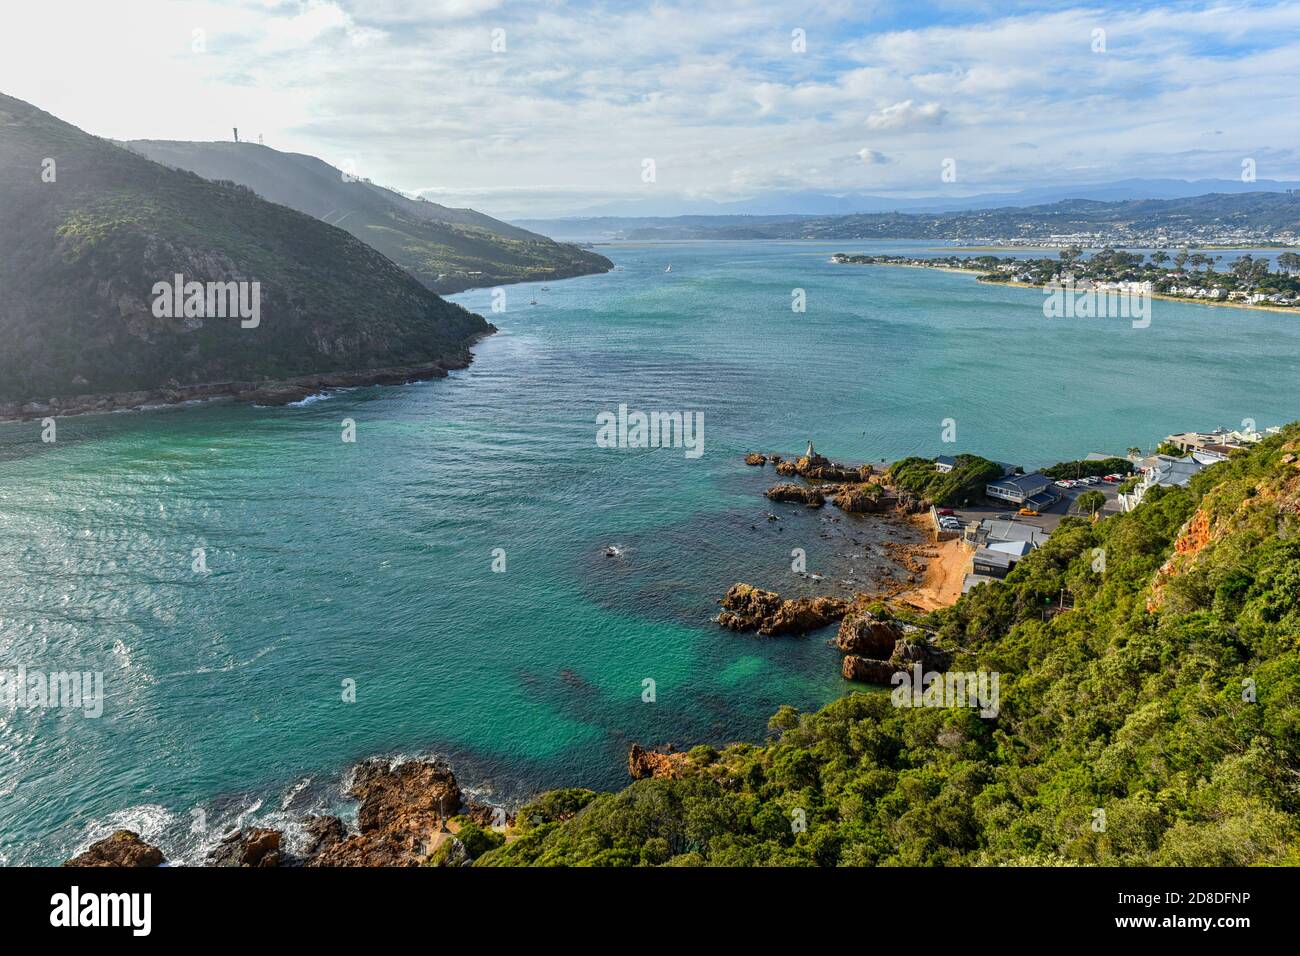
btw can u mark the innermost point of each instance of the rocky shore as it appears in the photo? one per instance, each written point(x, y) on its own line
point(747, 608)
point(875, 645)
point(282, 392)
point(406, 810)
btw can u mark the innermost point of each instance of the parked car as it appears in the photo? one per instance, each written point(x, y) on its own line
point(946, 511)
point(1063, 483)
point(1028, 512)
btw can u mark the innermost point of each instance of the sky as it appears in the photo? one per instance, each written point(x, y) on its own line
point(543, 107)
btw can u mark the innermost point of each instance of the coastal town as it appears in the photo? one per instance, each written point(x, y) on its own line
point(1247, 280)
point(980, 517)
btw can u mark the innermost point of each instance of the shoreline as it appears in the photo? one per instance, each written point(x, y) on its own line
point(269, 392)
point(1285, 310)
point(272, 393)
point(559, 276)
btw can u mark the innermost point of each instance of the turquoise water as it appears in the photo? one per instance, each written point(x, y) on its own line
point(372, 561)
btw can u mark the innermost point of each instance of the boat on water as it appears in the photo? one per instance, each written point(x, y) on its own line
point(670, 268)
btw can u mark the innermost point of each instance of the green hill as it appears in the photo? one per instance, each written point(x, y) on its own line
point(82, 254)
point(447, 249)
point(1154, 722)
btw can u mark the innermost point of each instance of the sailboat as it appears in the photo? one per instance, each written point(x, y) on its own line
point(670, 268)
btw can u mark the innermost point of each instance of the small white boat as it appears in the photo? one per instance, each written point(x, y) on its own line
point(670, 268)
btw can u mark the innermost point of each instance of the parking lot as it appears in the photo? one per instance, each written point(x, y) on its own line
point(1047, 520)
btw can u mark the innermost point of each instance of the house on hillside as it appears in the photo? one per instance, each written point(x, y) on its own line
point(1024, 491)
point(944, 464)
point(991, 532)
point(996, 560)
point(1168, 472)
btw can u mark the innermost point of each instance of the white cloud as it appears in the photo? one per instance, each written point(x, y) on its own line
point(906, 115)
point(411, 91)
point(873, 157)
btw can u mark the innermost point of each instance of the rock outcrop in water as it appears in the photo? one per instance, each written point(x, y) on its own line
point(861, 499)
point(747, 608)
point(123, 848)
point(254, 846)
point(403, 812)
point(402, 808)
point(815, 467)
point(800, 494)
point(868, 635)
point(877, 647)
point(642, 763)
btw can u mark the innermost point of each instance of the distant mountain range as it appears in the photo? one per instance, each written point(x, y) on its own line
point(806, 203)
point(89, 229)
point(1198, 217)
point(448, 250)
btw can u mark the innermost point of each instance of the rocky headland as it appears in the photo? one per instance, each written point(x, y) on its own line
point(281, 392)
point(874, 643)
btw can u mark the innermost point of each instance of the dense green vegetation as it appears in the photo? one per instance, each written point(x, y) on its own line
point(964, 484)
point(1090, 501)
point(446, 249)
point(84, 249)
point(1156, 721)
point(1082, 469)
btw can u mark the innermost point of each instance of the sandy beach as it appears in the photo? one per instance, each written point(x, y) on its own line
point(946, 563)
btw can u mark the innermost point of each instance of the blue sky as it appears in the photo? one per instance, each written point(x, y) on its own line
point(719, 95)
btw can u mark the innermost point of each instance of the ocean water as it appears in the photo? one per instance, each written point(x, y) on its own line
point(372, 562)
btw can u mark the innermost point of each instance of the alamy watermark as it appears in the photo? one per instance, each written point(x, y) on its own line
point(212, 300)
point(637, 429)
point(74, 690)
point(1119, 300)
point(918, 688)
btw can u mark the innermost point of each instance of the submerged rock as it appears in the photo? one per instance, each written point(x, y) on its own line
point(123, 848)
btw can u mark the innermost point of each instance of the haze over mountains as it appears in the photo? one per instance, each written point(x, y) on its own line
point(810, 202)
point(618, 218)
point(447, 249)
point(89, 228)
point(1202, 216)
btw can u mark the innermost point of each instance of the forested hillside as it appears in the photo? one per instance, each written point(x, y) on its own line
point(88, 229)
point(1156, 720)
point(446, 249)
